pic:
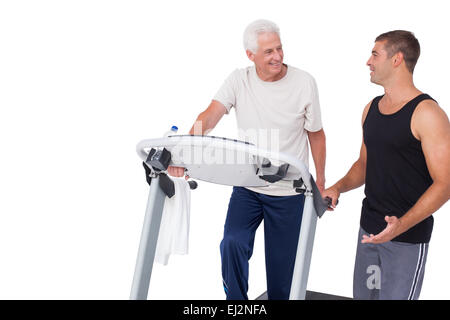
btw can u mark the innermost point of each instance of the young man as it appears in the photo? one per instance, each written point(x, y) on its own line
point(404, 164)
point(271, 99)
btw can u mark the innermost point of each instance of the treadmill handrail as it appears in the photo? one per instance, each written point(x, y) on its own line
point(233, 145)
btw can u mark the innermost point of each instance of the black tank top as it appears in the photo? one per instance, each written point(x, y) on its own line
point(396, 171)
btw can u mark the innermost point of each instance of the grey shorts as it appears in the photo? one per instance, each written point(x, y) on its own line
point(389, 271)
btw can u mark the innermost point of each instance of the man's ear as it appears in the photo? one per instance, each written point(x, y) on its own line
point(250, 55)
point(398, 59)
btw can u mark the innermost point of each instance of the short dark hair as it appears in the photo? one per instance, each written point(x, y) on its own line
point(404, 42)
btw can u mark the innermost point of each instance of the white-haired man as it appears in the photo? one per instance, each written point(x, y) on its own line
point(281, 100)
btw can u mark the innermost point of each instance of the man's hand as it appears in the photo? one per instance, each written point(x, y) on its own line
point(392, 230)
point(176, 171)
point(332, 193)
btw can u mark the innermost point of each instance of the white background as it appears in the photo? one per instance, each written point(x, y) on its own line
point(81, 82)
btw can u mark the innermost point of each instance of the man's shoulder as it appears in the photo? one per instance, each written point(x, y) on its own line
point(428, 104)
point(428, 119)
point(300, 73)
point(427, 109)
point(240, 73)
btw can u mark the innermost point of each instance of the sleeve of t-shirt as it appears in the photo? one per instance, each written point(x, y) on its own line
point(227, 92)
point(313, 119)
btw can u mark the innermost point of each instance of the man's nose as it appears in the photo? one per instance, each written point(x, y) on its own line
point(277, 55)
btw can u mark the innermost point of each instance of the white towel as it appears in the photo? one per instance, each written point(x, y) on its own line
point(173, 235)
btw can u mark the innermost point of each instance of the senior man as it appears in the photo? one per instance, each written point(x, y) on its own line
point(279, 102)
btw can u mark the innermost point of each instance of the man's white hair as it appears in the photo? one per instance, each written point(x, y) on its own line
point(254, 29)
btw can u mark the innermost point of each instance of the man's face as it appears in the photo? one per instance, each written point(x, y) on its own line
point(268, 58)
point(380, 64)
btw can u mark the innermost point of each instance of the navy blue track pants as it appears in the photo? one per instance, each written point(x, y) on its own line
point(282, 219)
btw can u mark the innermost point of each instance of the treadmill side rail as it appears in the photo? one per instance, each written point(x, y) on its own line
point(147, 245)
